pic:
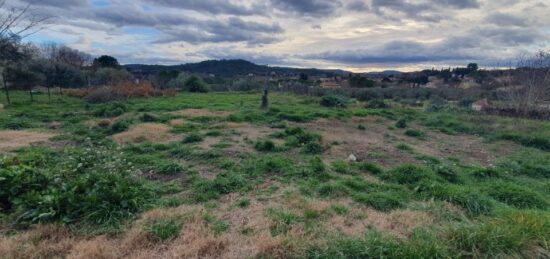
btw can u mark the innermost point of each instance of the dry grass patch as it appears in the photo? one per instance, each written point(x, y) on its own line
point(177, 122)
point(200, 113)
point(14, 139)
point(152, 132)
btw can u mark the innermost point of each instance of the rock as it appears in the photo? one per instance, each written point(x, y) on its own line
point(54, 125)
point(351, 159)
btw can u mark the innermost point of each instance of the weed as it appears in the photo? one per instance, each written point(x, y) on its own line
point(282, 220)
point(404, 147)
point(163, 229)
point(312, 149)
point(242, 203)
point(193, 138)
point(339, 209)
point(265, 146)
point(415, 134)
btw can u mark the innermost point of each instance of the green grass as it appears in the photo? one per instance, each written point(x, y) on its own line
point(92, 185)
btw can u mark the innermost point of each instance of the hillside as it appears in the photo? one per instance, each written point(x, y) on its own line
point(228, 68)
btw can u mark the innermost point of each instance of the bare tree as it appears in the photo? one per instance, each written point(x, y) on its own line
point(15, 24)
point(528, 85)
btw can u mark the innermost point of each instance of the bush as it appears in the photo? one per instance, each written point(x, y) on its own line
point(402, 123)
point(376, 104)
point(103, 95)
point(120, 126)
point(408, 174)
point(195, 85)
point(265, 145)
point(516, 195)
point(334, 101)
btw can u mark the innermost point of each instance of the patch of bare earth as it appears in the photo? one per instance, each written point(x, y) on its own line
point(200, 113)
point(377, 143)
point(14, 139)
point(152, 132)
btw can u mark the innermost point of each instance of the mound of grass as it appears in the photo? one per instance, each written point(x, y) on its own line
point(265, 146)
point(516, 195)
point(404, 146)
point(471, 200)
point(163, 229)
point(485, 173)
point(341, 167)
point(120, 126)
point(282, 220)
point(298, 136)
point(224, 183)
point(312, 149)
point(408, 174)
point(509, 234)
point(371, 168)
point(415, 134)
point(193, 138)
point(382, 201)
point(147, 117)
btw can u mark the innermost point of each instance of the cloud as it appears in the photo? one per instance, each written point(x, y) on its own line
point(211, 6)
point(503, 19)
point(431, 10)
point(313, 8)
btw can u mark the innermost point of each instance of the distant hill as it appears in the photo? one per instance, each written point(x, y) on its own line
point(229, 68)
point(384, 73)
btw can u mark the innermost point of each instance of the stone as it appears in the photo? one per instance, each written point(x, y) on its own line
point(351, 159)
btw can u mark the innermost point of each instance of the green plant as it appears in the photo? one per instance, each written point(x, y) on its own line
point(415, 133)
point(242, 203)
point(120, 126)
point(282, 220)
point(163, 229)
point(193, 138)
point(147, 117)
point(265, 145)
point(312, 148)
point(516, 195)
point(371, 168)
point(341, 166)
point(402, 123)
point(404, 147)
point(408, 174)
point(339, 209)
point(383, 201)
point(334, 101)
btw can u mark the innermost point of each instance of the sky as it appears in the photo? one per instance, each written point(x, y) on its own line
point(356, 35)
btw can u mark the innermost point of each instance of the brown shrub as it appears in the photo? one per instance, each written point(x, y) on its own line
point(118, 91)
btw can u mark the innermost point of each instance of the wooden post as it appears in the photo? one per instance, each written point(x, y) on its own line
point(6, 87)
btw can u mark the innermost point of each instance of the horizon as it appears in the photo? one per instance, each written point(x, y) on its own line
point(351, 35)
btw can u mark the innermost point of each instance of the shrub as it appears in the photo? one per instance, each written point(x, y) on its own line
point(408, 174)
point(382, 201)
point(334, 101)
point(120, 126)
point(163, 229)
point(195, 84)
point(193, 138)
point(312, 149)
point(402, 123)
point(103, 95)
point(376, 104)
point(415, 133)
point(516, 195)
point(147, 117)
point(265, 145)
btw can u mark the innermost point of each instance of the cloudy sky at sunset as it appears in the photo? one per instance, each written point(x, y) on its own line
point(349, 34)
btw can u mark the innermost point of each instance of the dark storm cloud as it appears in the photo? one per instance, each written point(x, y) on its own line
point(308, 7)
point(211, 6)
point(502, 19)
point(57, 3)
point(430, 11)
point(395, 52)
point(233, 30)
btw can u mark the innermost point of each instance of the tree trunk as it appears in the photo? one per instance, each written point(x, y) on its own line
point(49, 94)
point(6, 88)
point(30, 92)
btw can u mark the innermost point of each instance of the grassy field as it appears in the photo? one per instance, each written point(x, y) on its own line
point(214, 176)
